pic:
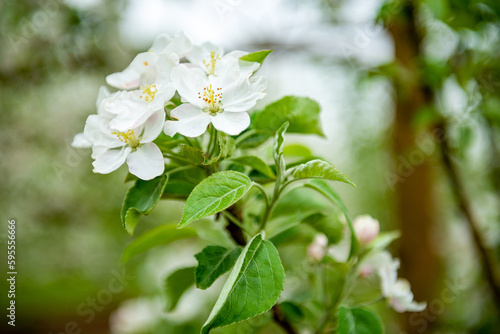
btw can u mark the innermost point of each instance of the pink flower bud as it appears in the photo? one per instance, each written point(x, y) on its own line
point(366, 228)
point(317, 249)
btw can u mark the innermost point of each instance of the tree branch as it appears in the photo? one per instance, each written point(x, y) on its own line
point(280, 319)
point(457, 188)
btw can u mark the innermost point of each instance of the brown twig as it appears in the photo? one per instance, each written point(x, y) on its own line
point(457, 188)
point(281, 320)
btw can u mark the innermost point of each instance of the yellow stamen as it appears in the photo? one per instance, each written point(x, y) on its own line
point(212, 98)
point(148, 92)
point(210, 64)
point(128, 138)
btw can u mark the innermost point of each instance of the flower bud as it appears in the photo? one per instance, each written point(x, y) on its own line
point(366, 228)
point(317, 249)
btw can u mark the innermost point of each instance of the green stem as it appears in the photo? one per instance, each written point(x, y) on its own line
point(179, 169)
point(245, 136)
point(213, 141)
point(176, 157)
point(236, 221)
point(263, 191)
point(277, 191)
point(188, 141)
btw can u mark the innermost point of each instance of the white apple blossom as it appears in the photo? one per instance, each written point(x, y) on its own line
point(366, 229)
point(212, 60)
point(129, 109)
point(396, 290)
point(111, 147)
point(222, 100)
point(153, 66)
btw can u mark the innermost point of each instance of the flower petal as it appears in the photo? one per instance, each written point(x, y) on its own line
point(98, 132)
point(110, 160)
point(192, 121)
point(163, 94)
point(189, 82)
point(103, 93)
point(160, 42)
point(179, 45)
point(146, 162)
point(153, 127)
point(232, 123)
point(80, 141)
point(243, 95)
point(131, 112)
point(129, 77)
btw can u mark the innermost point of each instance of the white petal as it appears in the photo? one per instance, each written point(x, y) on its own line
point(97, 151)
point(243, 95)
point(160, 42)
point(103, 93)
point(98, 132)
point(110, 160)
point(129, 78)
point(192, 121)
point(159, 70)
point(163, 94)
point(401, 298)
point(80, 141)
point(146, 162)
point(232, 123)
point(245, 68)
point(153, 126)
point(189, 82)
point(226, 72)
point(130, 112)
point(202, 52)
point(179, 45)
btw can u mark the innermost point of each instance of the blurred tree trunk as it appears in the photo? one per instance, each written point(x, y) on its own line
point(420, 263)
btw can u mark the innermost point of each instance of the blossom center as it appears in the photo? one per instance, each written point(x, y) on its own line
point(148, 92)
point(128, 138)
point(211, 61)
point(212, 98)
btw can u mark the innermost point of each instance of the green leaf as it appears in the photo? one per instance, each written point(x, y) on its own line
point(323, 188)
point(178, 189)
point(226, 148)
point(293, 207)
point(193, 154)
point(334, 276)
point(319, 169)
point(140, 200)
point(176, 284)
point(182, 183)
point(358, 320)
point(332, 228)
point(166, 143)
point(292, 311)
point(213, 261)
point(214, 194)
point(297, 150)
point(301, 112)
point(279, 140)
point(252, 288)
point(255, 163)
point(252, 139)
point(257, 57)
point(383, 240)
point(157, 236)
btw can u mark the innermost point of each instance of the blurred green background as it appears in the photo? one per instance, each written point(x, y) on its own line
point(387, 75)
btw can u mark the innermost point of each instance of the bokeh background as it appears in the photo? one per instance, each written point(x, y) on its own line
point(410, 93)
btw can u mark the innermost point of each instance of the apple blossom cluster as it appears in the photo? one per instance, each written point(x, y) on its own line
point(380, 262)
point(212, 87)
